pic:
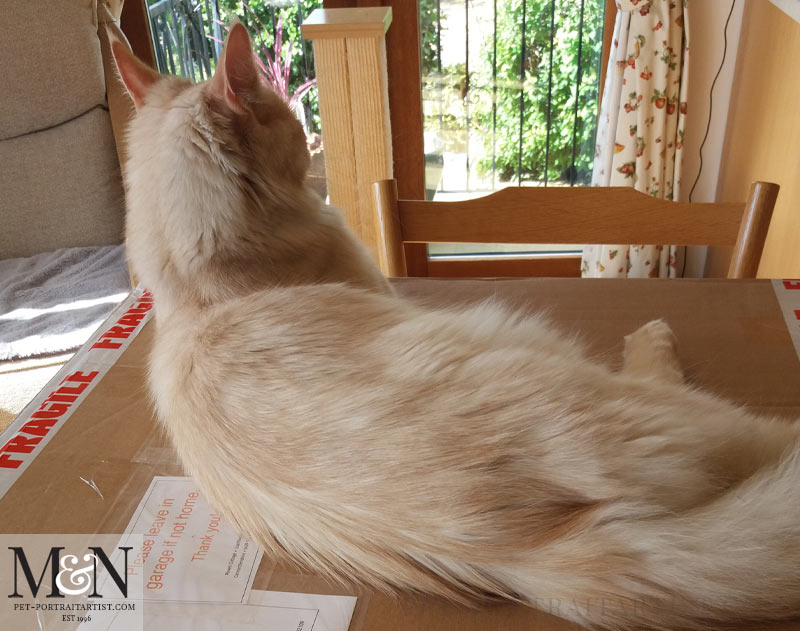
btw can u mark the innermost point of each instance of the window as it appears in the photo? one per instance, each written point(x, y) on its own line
point(510, 97)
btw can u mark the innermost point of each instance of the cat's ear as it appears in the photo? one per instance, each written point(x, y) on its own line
point(236, 76)
point(137, 77)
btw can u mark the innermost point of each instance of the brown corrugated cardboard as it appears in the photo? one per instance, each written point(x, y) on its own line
point(733, 340)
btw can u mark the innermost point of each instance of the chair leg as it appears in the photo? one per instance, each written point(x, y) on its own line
point(753, 231)
point(391, 255)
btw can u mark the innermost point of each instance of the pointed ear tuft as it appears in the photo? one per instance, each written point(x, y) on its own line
point(137, 77)
point(236, 76)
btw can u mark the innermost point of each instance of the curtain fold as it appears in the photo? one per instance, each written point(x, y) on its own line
point(641, 126)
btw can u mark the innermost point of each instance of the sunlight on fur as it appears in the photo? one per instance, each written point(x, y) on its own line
point(469, 453)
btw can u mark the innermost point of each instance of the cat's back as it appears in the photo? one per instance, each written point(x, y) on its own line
point(203, 350)
point(290, 354)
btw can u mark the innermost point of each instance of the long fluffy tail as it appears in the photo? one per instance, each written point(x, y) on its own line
point(735, 559)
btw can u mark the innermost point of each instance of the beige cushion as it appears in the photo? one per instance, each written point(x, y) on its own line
point(52, 70)
point(61, 187)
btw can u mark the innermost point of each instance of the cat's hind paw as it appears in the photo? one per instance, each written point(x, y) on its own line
point(652, 350)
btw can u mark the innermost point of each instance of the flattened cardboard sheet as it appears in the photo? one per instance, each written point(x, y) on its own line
point(25, 438)
point(733, 340)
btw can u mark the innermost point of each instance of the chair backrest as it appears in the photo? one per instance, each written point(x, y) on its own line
point(576, 215)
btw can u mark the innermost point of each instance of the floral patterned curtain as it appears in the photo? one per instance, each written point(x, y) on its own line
point(641, 124)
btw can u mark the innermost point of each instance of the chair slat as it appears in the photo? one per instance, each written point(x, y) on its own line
point(570, 215)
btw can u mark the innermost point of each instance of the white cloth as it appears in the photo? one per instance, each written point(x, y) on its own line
point(641, 125)
point(53, 302)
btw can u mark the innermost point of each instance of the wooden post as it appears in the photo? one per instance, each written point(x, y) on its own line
point(405, 105)
point(350, 59)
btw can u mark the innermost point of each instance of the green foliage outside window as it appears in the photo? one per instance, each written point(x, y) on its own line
point(261, 17)
point(193, 21)
point(451, 97)
point(535, 107)
point(429, 16)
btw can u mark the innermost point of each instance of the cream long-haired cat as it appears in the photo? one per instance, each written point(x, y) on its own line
point(468, 453)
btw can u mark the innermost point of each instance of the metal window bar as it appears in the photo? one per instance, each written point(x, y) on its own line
point(494, 94)
point(212, 11)
point(439, 60)
point(466, 81)
point(306, 73)
point(192, 45)
point(171, 43)
point(177, 38)
point(579, 73)
point(200, 41)
point(550, 91)
point(522, 56)
point(160, 56)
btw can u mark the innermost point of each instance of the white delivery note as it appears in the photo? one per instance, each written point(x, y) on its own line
point(189, 553)
point(264, 611)
point(272, 611)
point(310, 612)
point(197, 573)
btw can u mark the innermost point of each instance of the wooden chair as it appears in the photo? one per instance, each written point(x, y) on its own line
point(580, 215)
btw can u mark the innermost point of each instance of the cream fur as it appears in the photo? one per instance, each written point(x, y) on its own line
point(469, 453)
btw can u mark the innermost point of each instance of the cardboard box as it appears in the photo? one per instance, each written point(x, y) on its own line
point(734, 339)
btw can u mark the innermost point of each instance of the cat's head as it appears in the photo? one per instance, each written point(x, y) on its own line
point(233, 121)
point(217, 203)
point(215, 177)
